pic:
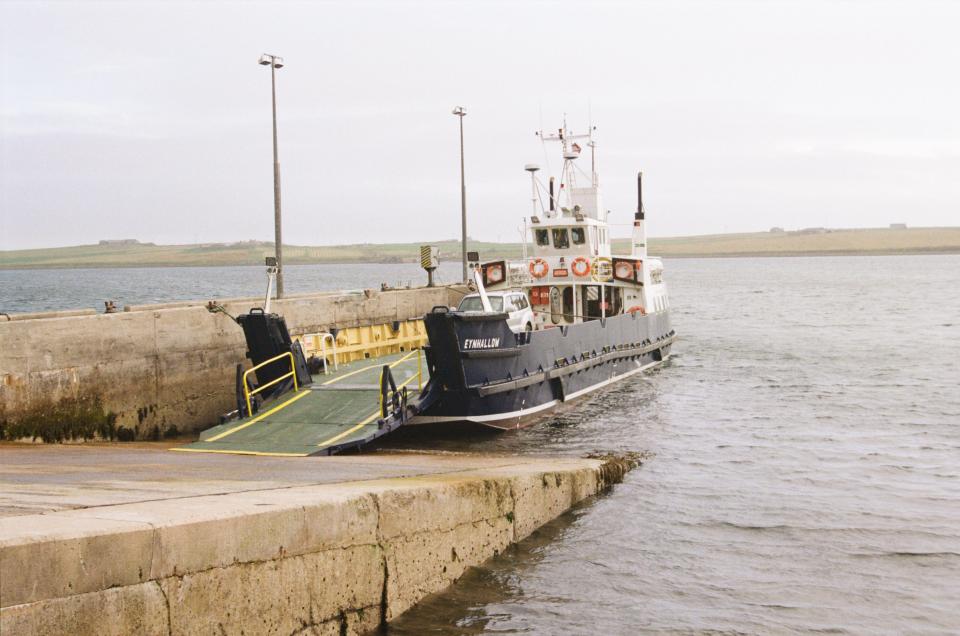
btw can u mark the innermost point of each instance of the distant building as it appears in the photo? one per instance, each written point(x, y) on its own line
point(898, 226)
point(119, 242)
point(776, 230)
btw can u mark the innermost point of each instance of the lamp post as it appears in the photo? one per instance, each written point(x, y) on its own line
point(274, 63)
point(461, 113)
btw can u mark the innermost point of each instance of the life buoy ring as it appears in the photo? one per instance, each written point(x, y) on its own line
point(493, 273)
point(539, 268)
point(637, 309)
point(602, 269)
point(623, 270)
point(580, 266)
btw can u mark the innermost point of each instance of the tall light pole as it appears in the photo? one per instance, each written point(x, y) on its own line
point(274, 63)
point(461, 113)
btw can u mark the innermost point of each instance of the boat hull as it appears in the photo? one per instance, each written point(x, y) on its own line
point(483, 373)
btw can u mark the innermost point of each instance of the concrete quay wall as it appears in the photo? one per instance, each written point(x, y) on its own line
point(157, 370)
point(319, 559)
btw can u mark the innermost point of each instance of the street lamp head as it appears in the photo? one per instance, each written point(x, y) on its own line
point(266, 60)
point(459, 111)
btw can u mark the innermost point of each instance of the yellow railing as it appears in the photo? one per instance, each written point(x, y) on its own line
point(247, 393)
point(418, 377)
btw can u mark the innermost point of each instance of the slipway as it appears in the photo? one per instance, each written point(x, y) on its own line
point(353, 406)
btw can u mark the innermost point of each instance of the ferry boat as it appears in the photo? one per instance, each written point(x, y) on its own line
point(567, 319)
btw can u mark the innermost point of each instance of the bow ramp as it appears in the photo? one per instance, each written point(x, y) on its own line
point(359, 403)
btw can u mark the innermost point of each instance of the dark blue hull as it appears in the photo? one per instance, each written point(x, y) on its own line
point(480, 371)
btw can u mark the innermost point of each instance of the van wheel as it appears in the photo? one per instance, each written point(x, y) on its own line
point(529, 327)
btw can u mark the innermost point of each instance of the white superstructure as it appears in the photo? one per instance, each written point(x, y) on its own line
point(570, 273)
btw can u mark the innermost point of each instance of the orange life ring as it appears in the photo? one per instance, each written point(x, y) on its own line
point(637, 309)
point(623, 270)
point(580, 266)
point(539, 268)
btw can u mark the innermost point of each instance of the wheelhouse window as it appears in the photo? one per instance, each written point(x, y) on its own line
point(560, 239)
point(543, 237)
point(578, 235)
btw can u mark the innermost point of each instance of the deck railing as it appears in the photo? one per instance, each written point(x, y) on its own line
point(309, 342)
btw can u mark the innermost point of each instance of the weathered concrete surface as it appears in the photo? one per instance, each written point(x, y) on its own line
point(48, 314)
point(39, 478)
point(154, 371)
point(288, 553)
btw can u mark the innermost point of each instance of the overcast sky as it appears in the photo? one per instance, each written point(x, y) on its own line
point(152, 120)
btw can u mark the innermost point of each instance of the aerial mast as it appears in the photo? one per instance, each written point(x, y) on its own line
point(532, 169)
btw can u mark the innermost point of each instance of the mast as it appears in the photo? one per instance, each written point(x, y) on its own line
point(594, 181)
point(570, 150)
point(532, 169)
point(639, 227)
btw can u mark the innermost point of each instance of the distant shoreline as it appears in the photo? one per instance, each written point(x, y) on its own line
point(916, 252)
point(809, 242)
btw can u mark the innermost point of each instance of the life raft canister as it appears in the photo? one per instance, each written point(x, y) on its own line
point(538, 268)
point(580, 266)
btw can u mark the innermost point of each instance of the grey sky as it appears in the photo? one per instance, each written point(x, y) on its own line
point(152, 120)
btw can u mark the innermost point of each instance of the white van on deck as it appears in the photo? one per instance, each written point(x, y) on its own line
point(513, 303)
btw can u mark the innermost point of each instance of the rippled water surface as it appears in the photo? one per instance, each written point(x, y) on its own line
point(805, 468)
point(23, 291)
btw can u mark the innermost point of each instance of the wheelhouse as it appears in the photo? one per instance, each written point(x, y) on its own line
point(569, 272)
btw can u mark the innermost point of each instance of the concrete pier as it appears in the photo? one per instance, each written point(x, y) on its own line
point(101, 539)
point(158, 370)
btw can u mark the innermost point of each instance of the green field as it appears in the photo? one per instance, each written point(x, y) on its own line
point(924, 240)
point(858, 241)
point(247, 253)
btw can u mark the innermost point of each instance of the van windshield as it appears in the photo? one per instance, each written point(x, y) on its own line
point(473, 303)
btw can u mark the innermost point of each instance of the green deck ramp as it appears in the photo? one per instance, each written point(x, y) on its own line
point(338, 410)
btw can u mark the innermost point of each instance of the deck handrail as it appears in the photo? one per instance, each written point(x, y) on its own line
point(247, 393)
point(324, 336)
